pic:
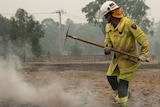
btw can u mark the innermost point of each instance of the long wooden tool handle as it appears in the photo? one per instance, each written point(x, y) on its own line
point(86, 41)
point(90, 42)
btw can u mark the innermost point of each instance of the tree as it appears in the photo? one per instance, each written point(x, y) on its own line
point(4, 34)
point(128, 8)
point(26, 31)
point(155, 40)
point(36, 33)
point(157, 31)
point(50, 42)
point(88, 32)
point(156, 48)
point(69, 22)
point(76, 50)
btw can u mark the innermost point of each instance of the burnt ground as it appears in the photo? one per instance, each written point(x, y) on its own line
point(85, 85)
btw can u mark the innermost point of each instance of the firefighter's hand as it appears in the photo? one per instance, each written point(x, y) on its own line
point(143, 58)
point(107, 50)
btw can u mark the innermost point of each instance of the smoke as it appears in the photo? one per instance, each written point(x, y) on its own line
point(14, 89)
point(12, 85)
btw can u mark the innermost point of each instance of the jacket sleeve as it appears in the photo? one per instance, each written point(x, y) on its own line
point(141, 39)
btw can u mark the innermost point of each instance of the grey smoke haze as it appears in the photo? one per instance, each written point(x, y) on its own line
point(71, 7)
point(14, 88)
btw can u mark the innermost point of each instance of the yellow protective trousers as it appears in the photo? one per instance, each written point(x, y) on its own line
point(124, 74)
point(122, 86)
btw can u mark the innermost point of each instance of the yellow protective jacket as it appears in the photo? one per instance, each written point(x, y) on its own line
point(125, 38)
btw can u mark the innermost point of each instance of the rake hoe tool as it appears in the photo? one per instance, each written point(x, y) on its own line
point(99, 45)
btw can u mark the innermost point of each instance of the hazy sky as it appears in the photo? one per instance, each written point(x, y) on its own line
point(71, 7)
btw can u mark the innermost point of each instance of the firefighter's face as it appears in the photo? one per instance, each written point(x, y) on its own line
point(108, 17)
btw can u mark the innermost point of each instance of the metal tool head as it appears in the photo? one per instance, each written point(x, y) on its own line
point(66, 35)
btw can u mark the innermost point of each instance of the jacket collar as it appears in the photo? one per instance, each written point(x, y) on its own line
point(109, 27)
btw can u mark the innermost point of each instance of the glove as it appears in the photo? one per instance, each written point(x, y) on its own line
point(107, 50)
point(143, 58)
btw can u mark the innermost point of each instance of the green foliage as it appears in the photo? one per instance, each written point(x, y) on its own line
point(88, 32)
point(69, 22)
point(76, 50)
point(5, 26)
point(156, 48)
point(36, 47)
point(4, 35)
point(50, 42)
point(135, 9)
point(157, 31)
point(36, 34)
point(26, 31)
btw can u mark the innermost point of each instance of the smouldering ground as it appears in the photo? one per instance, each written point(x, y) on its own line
point(43, 86)
point(145, 86)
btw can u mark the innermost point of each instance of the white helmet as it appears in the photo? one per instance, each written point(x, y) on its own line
point(107, 7)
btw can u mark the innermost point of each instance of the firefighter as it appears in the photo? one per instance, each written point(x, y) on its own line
point(122, 34)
